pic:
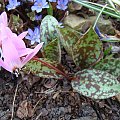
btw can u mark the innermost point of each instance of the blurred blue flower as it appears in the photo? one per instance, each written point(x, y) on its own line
point(12, 4)
point(98, 32)
point(105, 37)
point(52, 0)
point(30, 0)
point(102, 36)
point(38, 17)
point(62, 4)
point(33, 36)
point(39, 5)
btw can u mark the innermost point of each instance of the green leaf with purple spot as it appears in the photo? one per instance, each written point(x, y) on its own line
point(87, 50)
point(96, 84)
point(42, 70)
point(110, 65)
point(53, 51)
point(48, 29)
point(68, 37)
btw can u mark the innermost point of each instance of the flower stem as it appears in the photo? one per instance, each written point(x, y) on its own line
point(52, 67)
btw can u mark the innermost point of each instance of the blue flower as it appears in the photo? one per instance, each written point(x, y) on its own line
point(33, 36)
point(98, 32)
point(38, 17)
point(62, 4)
point(12, 4)
point(39, 5)
point(52, 0)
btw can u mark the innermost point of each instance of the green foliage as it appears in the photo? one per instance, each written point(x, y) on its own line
point(87, 50)
point(96, 84)
point(42, 69)
point(110, 65)
point(48, 29)
point(68, 38)
point(50, 10)
point(53, 51)
point(98, 7)
point(16, 23)
point(107, 51)
point(31, 15)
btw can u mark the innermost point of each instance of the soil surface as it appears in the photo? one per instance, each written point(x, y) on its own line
point(50, 99)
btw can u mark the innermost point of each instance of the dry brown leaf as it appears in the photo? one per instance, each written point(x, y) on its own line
point(25, 109)
point(118, 97)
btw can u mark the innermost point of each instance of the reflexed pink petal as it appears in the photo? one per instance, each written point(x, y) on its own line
point(19, 43)
point(10, 33)
point(24, 52)
point(5, 66)
point(2, 33)
point(10, 53)
point(23, 34)
point(3, 19)
point(32, 54)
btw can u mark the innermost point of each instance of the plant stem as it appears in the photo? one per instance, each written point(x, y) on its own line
point(13, 105)
point(52, 67)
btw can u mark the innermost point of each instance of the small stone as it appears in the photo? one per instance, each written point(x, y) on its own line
point(82, 24)
point(74, 21)
point(74, 6)
point(44, 112)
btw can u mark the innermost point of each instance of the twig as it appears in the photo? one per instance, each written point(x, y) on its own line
point(13, 105)
point(38, 103)
point(99, 16)
point(38, 116)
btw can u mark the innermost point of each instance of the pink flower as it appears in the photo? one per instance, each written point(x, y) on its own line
point(14, 51)
point(12, 60)
point(5, 33)
point(3, 19)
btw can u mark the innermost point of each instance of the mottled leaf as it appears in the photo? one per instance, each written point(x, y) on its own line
point(42, 70)
point(87, 50)
point(110, 65)
point(53, 51)
point(48, 29)
point(68, 38)
point(96, 84)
